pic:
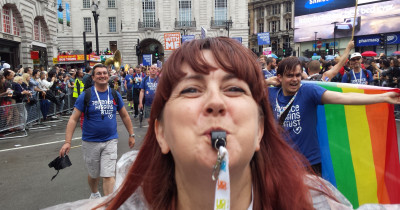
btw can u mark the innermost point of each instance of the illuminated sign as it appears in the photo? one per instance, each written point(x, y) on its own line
point(372, 18)
point(305, 7)
point(317, 3)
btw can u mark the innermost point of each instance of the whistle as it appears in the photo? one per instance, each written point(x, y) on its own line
point(218, 139)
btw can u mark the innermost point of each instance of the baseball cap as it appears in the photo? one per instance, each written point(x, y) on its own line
point(6, 66)
point(355, 55)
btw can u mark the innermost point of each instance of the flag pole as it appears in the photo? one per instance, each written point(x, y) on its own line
point(354, 20)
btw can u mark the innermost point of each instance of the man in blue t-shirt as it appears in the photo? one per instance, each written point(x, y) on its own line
point(128, 87)
point(295, 107)
point(148, 89)
point(270, 70)
point(99, 132)
point(358, 75)
point(137, 78)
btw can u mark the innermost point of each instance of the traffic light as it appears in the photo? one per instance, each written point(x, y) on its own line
point(382, 40)
point(327, 48)
point(289, 51)
point(138, 50)
point(156, 55)
point(88, 47)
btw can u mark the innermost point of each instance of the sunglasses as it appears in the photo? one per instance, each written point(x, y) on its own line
point(355, 59)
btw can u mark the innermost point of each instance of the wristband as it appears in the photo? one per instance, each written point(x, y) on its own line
point(132, 135)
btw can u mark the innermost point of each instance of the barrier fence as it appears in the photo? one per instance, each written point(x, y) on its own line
point(21, 117)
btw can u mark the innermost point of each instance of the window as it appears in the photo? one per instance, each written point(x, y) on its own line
point(275, 9)
point(220, 12)
point(87, 24)
point(36, 29)
point(288, 23)
point(185, 11)
point(112, 24)
point(260, 27)
point(86, 4)
point(149, 13)
point(111, 3)
point(6, 21)
point(288, 7)
point(42, 34)
point(274, 26)
point(16, 29)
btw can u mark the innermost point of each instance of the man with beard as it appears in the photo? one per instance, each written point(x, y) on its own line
point(295, 107)
point(358, 75)
point(270, 70)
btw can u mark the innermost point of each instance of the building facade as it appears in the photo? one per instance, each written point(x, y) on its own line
point(126, 24)
point(275, 17)
point(28, 26)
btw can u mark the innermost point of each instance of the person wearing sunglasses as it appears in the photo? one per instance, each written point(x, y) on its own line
point(358, 75)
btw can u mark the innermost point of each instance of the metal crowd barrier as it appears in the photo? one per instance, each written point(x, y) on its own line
point(22, 117)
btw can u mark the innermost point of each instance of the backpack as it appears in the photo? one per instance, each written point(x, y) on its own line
point(349, 76)
point(88, 83)
point(88, 95)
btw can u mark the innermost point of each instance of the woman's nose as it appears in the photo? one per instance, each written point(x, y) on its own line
point(215, 104)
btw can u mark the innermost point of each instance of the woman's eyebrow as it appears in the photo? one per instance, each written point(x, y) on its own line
point(195, 77)
point(229, 77)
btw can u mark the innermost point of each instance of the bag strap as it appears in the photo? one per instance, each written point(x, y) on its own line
point(284, 114)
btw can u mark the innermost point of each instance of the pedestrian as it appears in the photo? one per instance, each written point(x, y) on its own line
point(270, 71)
point(358, 75)
point(79, 86)
point(128, 84)
point(138, 77)
point(148, 88)
point(99, 133)
point(295, 107)
point(44, 86)
point(208, 85)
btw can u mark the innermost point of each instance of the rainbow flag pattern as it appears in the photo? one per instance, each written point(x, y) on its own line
point(359, 147)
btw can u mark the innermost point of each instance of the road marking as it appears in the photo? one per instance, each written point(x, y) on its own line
point(36, 145)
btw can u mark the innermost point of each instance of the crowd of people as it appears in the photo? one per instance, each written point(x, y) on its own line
point(40, 88)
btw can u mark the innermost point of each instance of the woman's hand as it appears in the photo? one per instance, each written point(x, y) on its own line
point(392, 97)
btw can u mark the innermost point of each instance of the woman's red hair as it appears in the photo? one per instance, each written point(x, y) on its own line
point(277, 170)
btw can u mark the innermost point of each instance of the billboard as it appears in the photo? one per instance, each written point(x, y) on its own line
point(67, 14)
point(373, 17)
point(305, 7)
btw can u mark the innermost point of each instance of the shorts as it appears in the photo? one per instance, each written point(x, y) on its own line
point(100, 157)
point(129, 95)
point(147, 110)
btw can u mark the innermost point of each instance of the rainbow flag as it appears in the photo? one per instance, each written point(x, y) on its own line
point(359, 147)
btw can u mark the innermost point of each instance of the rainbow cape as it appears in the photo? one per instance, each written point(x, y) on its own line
point(359, 147)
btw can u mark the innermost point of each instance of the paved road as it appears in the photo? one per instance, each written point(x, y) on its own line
point(24, 174)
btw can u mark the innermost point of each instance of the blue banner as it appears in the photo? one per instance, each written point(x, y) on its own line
point(187, 38)
point(203, 33)
point(305, 7)
point(147, 59)
point(239, 39)
point(67, 14)
point(60, 14)
point(393, 39)
point(159, 64)
point(367, 40)
point(263, 38)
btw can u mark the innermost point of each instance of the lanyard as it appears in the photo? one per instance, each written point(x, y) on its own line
point(282, 110)
point(98, 99)
point(356, 77)
point(222, 186)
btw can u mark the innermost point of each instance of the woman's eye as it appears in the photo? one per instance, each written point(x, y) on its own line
point(236, 89)
point(189, 90)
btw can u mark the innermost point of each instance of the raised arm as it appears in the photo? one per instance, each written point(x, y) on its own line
point(332, 97)
point(335, 70)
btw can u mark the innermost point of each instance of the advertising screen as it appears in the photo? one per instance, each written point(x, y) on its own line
point(373, 17)
point(305, 7)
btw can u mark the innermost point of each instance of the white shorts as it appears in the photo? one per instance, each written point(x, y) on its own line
point(100, 157)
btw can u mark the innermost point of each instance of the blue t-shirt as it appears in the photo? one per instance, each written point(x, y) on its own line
point(137, 80)
point(128, 79)
point(360, 78)
point(149, 86)
point(268, 74)
point(96, 129)
point(301, 121)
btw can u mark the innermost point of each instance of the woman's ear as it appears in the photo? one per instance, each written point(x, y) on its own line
point(260, 133)
point(159, 131)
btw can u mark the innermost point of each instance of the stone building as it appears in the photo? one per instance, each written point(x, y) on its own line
point(125, 24)
point(28, 26)
point(275, 17)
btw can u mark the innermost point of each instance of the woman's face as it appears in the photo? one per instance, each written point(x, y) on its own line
point(28, 78)
point(202, 103)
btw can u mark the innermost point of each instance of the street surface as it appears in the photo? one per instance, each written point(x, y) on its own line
point(25, 178)
point(25, 175)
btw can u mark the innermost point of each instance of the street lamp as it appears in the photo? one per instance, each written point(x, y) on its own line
point(334, 38)
point(96, 14)
point(228, 25)
point(315, 42)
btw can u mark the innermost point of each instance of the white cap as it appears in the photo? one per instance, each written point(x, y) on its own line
point(6, 66)
point(354, 55)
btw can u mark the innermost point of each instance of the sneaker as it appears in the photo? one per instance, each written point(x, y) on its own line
point(135, 116)
point(95, 195)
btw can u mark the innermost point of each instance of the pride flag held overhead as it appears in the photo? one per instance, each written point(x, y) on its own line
point(359, 147)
